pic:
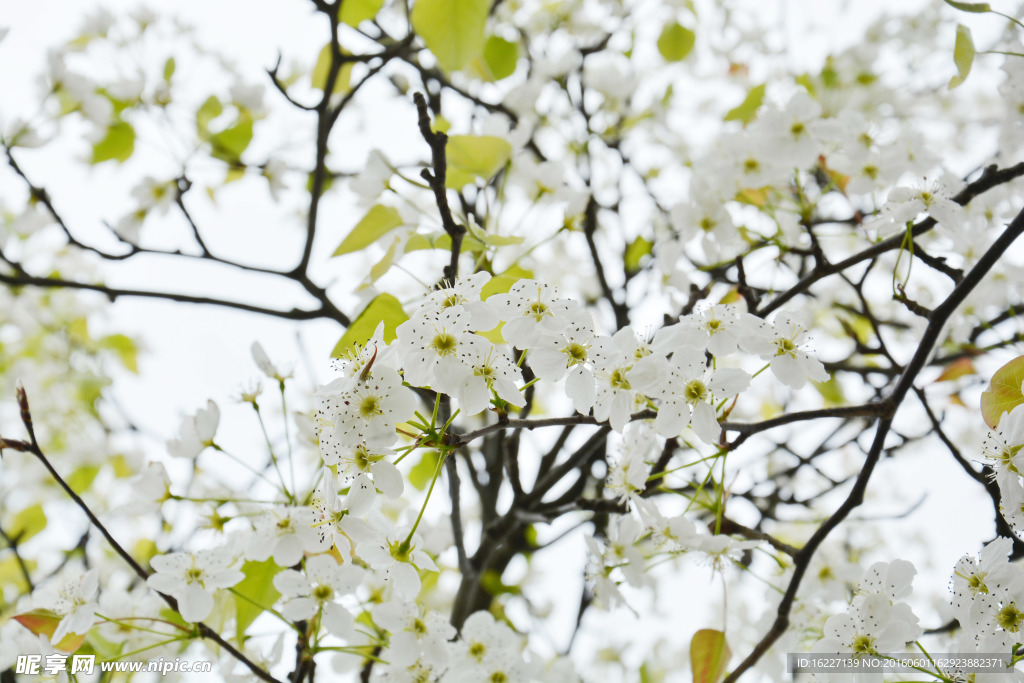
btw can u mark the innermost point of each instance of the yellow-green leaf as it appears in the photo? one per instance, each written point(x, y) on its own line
point(118, 144)
point(377, 222)
point(11, 573)
point(675, 42)
point(974, 7)
point(832, 392)
point(963, 55)
point(709, 655)
point(354, 12)
point(451, 29)
point(254, 593)
point(636, 250)
point(501, 57)
point(423, 471)
point(475, 156)
point(27, 523)
point(322, 69)
point(384, 308)
point(229, 144)
point(82, 478)
point(125, 349)
point(169, 67)
point(747, 110)
point(1004, 392)
point(207, 112)
point(500, 284)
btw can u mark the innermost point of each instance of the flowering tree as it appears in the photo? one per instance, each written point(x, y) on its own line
point(634, 300)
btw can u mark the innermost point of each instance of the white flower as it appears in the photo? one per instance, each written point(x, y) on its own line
point(991, 573)
point(274, 171)
point(905, 203)
point(791, 364)
point(191, 578)
point(363, 410)
point(719, 328)
point(415, 634)
point(366, 470)
point(424, 341)
point(373, 180)
point(1002, 447)
point(73, 598)
point(688, 389)
point(264, 364)
point(868, 628)
point(399, 562)
point(319, 589)
point(286, 533)
point(464, 294)
point(481, 368)
point(196, 432)
point(615, 398)
point(529, 310)
point(569, 351)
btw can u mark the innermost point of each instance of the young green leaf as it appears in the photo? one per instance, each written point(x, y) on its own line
point(747, 109)
point(636, 250)
point(475, 156)
point(254, 593)
point(354, 12)
point(118, 144)
point(963, 55)
point(1004, 392)
point(675, 42)
point(377, 222)
point(322, 69)
point(974, 7)
point(384, 308)
point(451, 29)
point(501, 57)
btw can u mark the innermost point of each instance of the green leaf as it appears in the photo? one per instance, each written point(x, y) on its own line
point(451, 29)
point(230, 143)
point(118, 144)
point(11, 574)
point(322, 69)
point(354, 12)
point(501, 57)
point(377, 222)
point(675, 42)
point(208, 111)
point(500, 284)
point(384, 308)
point(423, 471)
point(1004, 392)
point(973, 7)
point(125, 348)
point(258, 587)
point(963, 55)
point(169, 67)
point(82, 478)
point(27, 523)
point(709, 655)
point(636, 250)
point(747, 110)
point(390, 256)
point(475, 156)
point(832, 391)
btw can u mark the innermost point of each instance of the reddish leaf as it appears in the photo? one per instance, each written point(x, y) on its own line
point(709, 655)
point(41, 621)
point(957, 369)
